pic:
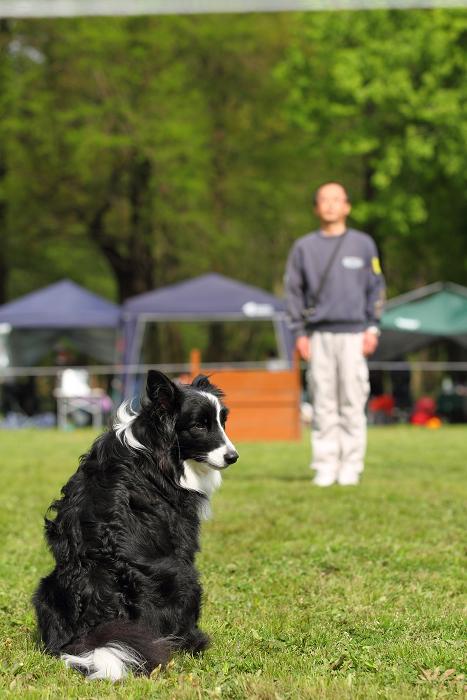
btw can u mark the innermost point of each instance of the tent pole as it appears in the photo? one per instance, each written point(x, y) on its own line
point(281, 342)
point(135, 356)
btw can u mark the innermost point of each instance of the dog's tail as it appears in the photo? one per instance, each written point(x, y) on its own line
point(113, 649)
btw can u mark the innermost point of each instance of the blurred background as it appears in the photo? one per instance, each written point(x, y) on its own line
point(138, 152)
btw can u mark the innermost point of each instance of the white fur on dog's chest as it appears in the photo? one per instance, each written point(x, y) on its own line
point(199, 477)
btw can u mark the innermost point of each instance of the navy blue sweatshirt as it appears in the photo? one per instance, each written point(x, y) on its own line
point(352, 297)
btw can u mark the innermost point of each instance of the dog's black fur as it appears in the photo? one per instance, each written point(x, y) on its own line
point(126, 529)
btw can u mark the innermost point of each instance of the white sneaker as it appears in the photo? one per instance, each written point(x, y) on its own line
point(324, 479)
point(348, 477)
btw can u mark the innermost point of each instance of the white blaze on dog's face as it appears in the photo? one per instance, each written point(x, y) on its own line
point(201, 432)
point(225, 454)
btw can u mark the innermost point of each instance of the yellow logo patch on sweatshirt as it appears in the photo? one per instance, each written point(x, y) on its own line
point(375, 264)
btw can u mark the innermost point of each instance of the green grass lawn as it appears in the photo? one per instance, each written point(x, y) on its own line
point(312, 593)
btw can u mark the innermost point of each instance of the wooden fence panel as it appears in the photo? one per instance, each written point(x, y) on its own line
point(264, 404)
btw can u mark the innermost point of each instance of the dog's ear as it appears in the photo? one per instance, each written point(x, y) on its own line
point(201, 382)
point(162, 391)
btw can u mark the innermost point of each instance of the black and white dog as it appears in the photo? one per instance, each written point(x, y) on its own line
point(124, 593)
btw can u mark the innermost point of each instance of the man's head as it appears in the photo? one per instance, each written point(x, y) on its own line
point(332, 203)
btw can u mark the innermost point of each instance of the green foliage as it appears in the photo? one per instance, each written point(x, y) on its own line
point(152, 142)
point(135, 152)
point(114, 123)
point(339, 593)
point(383, 98)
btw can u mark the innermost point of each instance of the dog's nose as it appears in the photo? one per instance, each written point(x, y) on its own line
point(231, 457)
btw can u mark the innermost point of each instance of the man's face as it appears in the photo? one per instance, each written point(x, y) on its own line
point(332, 206)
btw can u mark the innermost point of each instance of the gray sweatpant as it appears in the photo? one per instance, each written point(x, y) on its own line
point(339, 388)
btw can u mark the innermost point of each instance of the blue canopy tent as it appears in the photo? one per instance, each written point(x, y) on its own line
point(209, 297)
point(35, 321)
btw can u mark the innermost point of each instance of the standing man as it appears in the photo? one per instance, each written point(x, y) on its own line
point(335, 293)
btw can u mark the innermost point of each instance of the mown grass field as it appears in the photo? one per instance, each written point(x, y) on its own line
point(309, 593)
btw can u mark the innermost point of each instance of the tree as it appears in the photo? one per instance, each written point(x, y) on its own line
point(154, 143)
point(144, 151)
point(382, 97)
point(117, 170)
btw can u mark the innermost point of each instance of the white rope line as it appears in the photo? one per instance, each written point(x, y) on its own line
point(220, 366)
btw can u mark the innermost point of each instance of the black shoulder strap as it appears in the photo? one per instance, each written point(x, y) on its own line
point(328, 266)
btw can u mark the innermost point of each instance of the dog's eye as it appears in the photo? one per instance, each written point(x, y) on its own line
point(199, 427)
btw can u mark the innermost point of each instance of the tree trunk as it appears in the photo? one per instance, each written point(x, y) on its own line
point(369, 194)
point(140, 251)
point(134, 269)
point(4, 271)
point(3, 243)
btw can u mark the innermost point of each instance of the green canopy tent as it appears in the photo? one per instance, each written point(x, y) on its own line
point(416, 319)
